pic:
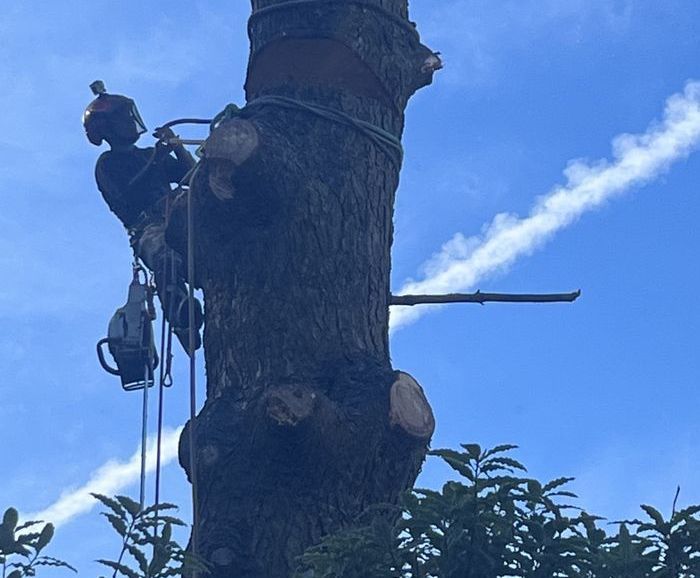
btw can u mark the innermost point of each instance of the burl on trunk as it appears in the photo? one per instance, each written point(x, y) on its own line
point(306, 424)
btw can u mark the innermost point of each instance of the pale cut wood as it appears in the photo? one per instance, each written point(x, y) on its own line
point(230, 144)
point(233, 140)
point(409, 408)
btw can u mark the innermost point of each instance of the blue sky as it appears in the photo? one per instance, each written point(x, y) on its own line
point(532, 93)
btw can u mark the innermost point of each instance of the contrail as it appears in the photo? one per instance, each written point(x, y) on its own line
point(111, 478)
point(462, 262)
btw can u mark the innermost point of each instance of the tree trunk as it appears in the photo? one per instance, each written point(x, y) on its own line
point(293, 213)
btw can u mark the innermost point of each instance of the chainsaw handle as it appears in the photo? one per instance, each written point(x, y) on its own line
point(101, 357)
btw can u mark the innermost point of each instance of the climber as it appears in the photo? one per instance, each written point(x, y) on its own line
point(136, 183)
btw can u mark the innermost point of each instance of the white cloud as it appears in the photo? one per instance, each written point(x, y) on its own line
point(462, 262)
point(478, 42)
point(109, 479)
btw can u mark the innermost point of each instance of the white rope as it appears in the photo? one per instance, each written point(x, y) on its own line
point(144, 435)
point(193, 377)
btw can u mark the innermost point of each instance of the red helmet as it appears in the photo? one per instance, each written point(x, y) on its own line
point(112, 117)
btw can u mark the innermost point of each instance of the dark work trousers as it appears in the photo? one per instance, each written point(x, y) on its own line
point(168, 269)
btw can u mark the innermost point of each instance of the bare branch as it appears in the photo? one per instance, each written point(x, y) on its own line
point(482, 298)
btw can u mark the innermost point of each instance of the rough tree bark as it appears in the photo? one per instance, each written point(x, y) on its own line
point(302, 430)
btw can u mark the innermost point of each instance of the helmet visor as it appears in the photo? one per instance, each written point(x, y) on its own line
point(113, 117)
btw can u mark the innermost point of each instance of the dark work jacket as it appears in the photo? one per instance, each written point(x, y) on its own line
point(115, 170)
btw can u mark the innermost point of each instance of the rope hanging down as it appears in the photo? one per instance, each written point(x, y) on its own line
point(144, 436)
point(193, 382)
point(166, 356)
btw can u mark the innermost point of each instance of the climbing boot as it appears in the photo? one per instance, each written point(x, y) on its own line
point(181, 328)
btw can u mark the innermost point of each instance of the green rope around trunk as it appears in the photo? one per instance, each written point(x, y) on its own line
point(387, 142)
